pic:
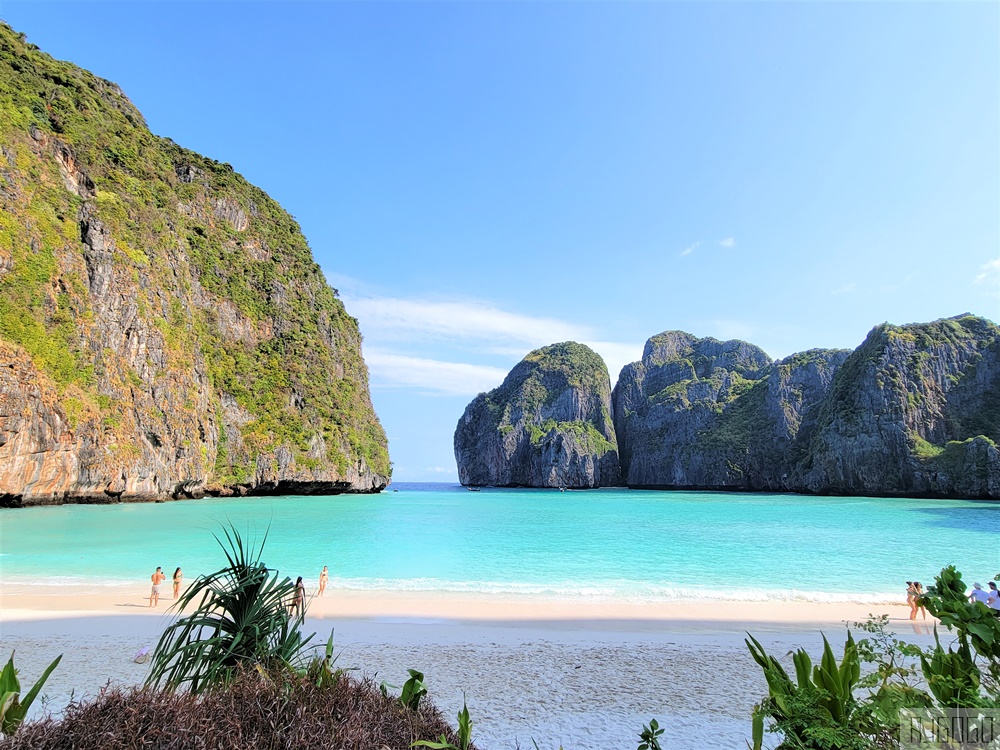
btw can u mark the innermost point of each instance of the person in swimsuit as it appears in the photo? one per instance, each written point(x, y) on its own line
point(178, 578)
point(915, 605)
point(323, 578)
point(157, 578)
point(299, 602)
point(910, 595)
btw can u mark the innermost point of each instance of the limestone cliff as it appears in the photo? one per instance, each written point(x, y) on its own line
point(914, 410)
point(164, 330)
point(548, 425)
point(665, 404)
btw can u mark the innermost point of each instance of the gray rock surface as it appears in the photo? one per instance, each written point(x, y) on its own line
point(548, 425)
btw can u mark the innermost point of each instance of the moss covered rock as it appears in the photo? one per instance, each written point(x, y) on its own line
point(164, 329)
point(548, 425)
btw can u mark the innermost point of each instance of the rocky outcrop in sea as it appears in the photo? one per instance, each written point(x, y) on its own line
point(913, 411)
point(164, 329)
point(548, 425)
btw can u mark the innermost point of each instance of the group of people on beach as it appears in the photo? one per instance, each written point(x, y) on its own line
point(299, 600)
point(158, 578)
point(990, 597)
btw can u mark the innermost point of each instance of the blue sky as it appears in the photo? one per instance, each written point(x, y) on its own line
point(479, 179)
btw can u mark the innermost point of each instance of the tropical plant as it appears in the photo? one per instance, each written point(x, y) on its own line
point(817, 709)
point(12, 708)
point(649, 737)
point(464, 733)
point(320, 671)
point(413, 690)
point(240, 617)
point(976, 628)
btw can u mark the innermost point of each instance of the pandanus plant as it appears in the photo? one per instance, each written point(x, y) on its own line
point(240, 617)
point(815, 708)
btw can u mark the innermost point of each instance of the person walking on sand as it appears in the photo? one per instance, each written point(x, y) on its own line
point(157, 578)
point(910, 594)
point(323, 578)
point(299, 602)
point(917, 605)
point(178, 579)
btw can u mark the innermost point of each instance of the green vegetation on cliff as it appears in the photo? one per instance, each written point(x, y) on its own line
point(209, 262)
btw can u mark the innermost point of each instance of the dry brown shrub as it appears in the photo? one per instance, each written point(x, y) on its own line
point(253, 712)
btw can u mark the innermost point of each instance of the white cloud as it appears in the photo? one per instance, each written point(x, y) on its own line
point(616, 355)
point(442, 470)
point(728, 242)
point(989, 272)
point(689, 249)
point(395, 318)
point(452, 378)
point(847, 288)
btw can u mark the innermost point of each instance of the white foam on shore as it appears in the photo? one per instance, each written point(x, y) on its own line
point(633, 592)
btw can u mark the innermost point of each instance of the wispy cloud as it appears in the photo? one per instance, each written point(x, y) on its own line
point(728, 242)
point(394, 317)
point(431, 375)
point(441, 470)
point(690, 249)
point(847, 288)
point(616, 355)
point(989, 272)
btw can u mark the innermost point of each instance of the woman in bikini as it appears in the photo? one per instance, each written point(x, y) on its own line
point(323, 578)
point(178, 578)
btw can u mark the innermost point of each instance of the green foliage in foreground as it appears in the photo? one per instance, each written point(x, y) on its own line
point(464, 733)
point(240, 617)
point(12, 708)
point(826, 707)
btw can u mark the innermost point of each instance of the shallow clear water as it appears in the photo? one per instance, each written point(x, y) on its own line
point(611, 543)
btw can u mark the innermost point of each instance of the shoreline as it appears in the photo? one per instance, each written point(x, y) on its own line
point(579, 675)
point(23, 602)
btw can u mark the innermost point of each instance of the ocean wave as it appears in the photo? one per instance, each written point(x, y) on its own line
point(623, 590)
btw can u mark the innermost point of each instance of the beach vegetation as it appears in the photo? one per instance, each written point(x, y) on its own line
point(241, 617)
point(256, 708)
point(464, 733)
point(649, 737)
point(832, 707)
point(13, 708)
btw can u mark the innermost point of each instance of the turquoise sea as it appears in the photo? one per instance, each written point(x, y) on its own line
point(599, 544)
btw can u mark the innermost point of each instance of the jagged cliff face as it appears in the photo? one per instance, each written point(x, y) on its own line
point(665, 404)
point(548, 425)
point(914, 410)
point(164, 331)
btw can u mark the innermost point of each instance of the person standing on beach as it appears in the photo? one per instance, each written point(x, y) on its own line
point(917, 605)
point(978, 595)
point(910, 596)
point(178, 579)
point(299, 602)
point(323, 578)
point(157, 578)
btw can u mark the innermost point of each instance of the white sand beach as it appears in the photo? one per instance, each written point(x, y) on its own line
point(579, 675)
